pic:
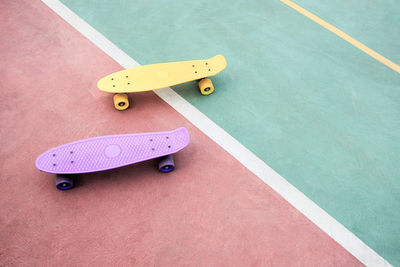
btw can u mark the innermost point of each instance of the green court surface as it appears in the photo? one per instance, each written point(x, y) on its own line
point(375, 24)
point(319, 111)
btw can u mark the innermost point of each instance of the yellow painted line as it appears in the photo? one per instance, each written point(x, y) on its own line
point(343, 35)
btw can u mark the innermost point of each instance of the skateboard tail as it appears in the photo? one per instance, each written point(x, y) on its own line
point(219, 60)
point(109, 152)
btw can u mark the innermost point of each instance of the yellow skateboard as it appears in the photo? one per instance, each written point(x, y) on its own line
point(157, 76)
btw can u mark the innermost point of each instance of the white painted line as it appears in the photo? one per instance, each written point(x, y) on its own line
point(297, 199)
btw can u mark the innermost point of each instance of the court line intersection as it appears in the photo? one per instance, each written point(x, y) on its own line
point(343, 35)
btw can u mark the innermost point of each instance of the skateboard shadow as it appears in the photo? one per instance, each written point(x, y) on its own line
point(190, 90)
point(141, 100)
point(123, 176)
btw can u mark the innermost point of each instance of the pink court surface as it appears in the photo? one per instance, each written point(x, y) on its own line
point(211, 211)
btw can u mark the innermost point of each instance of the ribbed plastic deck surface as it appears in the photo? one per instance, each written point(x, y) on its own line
point(112, 151)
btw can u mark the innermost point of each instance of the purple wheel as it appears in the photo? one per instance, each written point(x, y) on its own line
point(64, 182)
point(166, 164)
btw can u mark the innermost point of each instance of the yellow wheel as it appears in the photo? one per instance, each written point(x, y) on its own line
point(206, 86)
point(121, 101)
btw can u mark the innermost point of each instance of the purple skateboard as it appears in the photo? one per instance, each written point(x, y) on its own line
point(109, 152)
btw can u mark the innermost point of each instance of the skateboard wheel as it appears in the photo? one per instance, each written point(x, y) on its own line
point(64, 182)
point(206, 86)
point(166, 164)
point(121, 101)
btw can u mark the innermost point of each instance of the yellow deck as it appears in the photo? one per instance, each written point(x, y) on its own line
point(156, 76)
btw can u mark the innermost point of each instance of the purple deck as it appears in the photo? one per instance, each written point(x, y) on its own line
point(112, 151)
